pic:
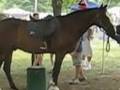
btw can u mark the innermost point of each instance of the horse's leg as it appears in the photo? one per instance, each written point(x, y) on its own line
point(7, 70)
point(57, 66)
point(1, 61)
point(32, 58)
point(56, 70)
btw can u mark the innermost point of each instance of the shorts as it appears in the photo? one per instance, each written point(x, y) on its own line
point(76, 59)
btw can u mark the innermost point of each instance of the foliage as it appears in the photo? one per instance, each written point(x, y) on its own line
point(2, 3)
point(26, 4)
point(44, 5)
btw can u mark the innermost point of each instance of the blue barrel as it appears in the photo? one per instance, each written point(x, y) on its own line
point(36, 78)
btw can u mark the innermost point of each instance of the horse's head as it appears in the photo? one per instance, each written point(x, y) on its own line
point(103, 21)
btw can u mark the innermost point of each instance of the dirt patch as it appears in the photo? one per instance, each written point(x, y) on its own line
point(100, 82)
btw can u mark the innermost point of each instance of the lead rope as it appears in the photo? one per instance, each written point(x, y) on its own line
point(108, 45)
point(107, 50)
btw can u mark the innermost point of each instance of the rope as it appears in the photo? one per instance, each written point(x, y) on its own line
point(107, 50)
point(108, 45)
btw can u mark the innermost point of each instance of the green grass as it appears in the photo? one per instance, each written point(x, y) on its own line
point(22, 60)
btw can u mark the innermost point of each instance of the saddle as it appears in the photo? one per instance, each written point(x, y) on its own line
point(43, 29)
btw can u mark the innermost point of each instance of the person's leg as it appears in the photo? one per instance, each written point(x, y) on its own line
point(79, 74)
point(77, 71)
point(81, 71)
point(35, 60)
point(77, 66)
point(82, 76)
point(38, 59)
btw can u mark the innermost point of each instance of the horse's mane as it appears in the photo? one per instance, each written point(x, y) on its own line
point(12, 18)
point(82, 11)
point(69, 14)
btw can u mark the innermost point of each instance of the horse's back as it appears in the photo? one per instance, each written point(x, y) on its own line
point(8, 32)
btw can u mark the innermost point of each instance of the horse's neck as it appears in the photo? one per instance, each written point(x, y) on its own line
point(79, 23)
point(75, 25)
point(81, 20)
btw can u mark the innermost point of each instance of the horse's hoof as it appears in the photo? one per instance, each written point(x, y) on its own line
point(53, 87)
point(14, 88)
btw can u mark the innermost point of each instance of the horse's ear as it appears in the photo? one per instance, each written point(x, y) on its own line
point(105, 6)
point(101, 5)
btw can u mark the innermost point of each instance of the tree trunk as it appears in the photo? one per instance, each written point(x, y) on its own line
point(57, 7)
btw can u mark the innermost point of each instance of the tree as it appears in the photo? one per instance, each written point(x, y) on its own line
point(45, 5)
point(57, 7)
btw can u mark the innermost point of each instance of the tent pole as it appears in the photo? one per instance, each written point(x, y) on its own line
point(35, 6)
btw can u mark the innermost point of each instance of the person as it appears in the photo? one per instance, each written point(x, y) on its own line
point(86, 53)
point(79, 6)
point(76, 55)
point(36, 16)
point(77, 62)
point(38, 58)
point(84, 4)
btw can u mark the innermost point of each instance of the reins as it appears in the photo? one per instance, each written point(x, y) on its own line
point(108, 41)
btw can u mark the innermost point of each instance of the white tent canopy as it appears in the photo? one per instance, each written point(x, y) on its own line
point(115, 14)
point(17, 13)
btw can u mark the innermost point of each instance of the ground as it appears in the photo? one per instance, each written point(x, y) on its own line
point(99, 82)
point(110, 80)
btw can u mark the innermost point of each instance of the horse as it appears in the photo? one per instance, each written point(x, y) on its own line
point(61, 34)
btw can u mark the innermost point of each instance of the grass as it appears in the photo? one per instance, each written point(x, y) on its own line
point(22, 60)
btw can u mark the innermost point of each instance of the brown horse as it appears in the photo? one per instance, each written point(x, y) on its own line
point(61, 34)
